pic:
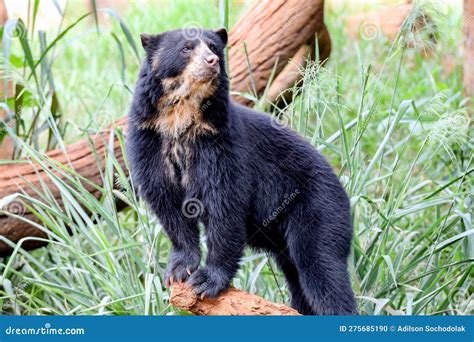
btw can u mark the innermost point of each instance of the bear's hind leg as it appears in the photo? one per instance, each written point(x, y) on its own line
point(298, 300)
point(321, 268)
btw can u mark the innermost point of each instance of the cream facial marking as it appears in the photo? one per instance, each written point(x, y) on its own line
point(180, 106)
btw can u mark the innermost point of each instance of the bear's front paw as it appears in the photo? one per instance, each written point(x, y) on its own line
point(180, 267)
point(209, 282)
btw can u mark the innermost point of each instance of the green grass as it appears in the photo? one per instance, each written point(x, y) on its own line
point(391, 120)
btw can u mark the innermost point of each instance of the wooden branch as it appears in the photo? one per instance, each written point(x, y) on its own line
point(271, 29)
point(232, 302)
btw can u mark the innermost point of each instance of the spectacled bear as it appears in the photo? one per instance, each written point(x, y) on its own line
point(196, 156)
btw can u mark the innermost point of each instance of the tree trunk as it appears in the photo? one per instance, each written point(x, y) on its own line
point(386, 20)
point(230, 303)
point(281, 90)
point(298, 23)
point(273, 32)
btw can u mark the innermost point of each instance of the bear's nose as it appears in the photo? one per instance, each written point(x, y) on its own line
point(212, 60)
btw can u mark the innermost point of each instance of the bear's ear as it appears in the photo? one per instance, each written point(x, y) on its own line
point(149, 41)
point(222, 33)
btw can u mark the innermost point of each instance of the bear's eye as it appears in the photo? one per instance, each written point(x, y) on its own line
point(213, 48)
point(186, 48)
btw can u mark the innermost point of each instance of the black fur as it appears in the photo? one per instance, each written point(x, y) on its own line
point(259, 185)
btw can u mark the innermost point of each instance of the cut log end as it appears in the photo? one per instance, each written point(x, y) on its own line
point(232, 302)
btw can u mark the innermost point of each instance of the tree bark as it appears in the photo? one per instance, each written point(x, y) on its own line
point(271, 29)
point(273, 32)
point(468, 73)
point(24, 177)
point(230, 303)
point(281, 90)
point(291, 74)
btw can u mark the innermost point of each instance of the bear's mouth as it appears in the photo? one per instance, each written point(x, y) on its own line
point(206, 73)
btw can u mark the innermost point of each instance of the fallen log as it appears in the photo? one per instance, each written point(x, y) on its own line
point(230, 303)
point(273, 32)
point(261, 28)
point(26, 177)
point(289, 75)
point(281, 89)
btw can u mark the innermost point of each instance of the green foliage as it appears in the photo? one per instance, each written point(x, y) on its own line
point(390, 119)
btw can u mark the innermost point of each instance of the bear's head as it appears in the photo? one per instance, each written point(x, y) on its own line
point(190, 62)
point(190, 68)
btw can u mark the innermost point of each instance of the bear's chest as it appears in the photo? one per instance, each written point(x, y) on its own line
point(177, 157)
